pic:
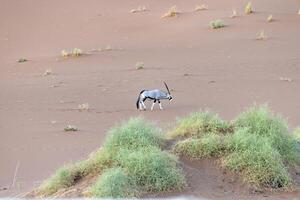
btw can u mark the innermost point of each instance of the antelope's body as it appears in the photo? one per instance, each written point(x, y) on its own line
point(155, 95)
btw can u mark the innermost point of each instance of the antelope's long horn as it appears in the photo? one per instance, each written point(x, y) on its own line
point(167, 87)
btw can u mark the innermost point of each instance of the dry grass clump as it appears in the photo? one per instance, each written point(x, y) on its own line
point(270, 18)
point(75, 52)
point(262, 35)
point(234, 13)
point(299, 12)
point(47, 72)
point(83, 107)
point(172, 12)
point(258, 148)
point(71, 128)
point(22, 60)
point(248, 8)
point(215, 24)
point(201, 7)
point(139, 65)
point(139, 9)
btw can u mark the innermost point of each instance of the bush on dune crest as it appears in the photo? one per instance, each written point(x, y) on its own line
point(199, 123)
point(129, 164)
point(258, 147)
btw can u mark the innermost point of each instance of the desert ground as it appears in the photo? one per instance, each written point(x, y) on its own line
point(223, 70)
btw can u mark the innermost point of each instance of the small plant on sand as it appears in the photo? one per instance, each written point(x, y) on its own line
point(172, 12)
point(139, 9)
point(47, 72)
point(22, 60)
point(71, 128)
point(201, 7)
point(139, 65)
point(270, 18)
point(248, 8)
point(234, 13)
point(83, 107)
point(262, 35)
point(215, 24)
point(77, 52)
point(64, 54)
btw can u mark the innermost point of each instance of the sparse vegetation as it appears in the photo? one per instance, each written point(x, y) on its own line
point(139, 9)
point(172, 12)
point(130, 163)
point(215, 24)
point(139, 65)
point(47, 72)
point(299, 12)
point(22, 60)
point(270, 18)
point(262, 35)
point(296, 135)
point(64, 53)
point(83, 107)
point(234, 13)
point(258, 147)
point(71, 128)
point(114, 183)
point(248, 8)
point(201, 7)
point(77, 52)
point(199, 123)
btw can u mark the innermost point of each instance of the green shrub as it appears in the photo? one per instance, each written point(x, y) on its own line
point(152, 169)
point(63, 178)
point(216, 24)
point(210, 145)
point(134, 134)
point(259, 121)
point(296, 134)
point(256, 159)
point(199, 123)
point(114, 183)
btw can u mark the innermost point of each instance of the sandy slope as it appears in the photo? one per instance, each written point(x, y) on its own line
point(223, 70)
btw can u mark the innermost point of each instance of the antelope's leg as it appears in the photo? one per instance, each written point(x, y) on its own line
point(143, 103)
point(160, 106)
point(153, 104)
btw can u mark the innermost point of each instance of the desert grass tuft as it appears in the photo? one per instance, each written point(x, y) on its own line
point(270, 18)
point(172, 12)
point(21, 60)
point(296, 134)
point(133, 135)
point(198, 124)
point(139, 65)
point(209, 145)
point(262, 35)
point(114, 183)
point(253, 156)
point(201, 7)
point(151, 169)
point(215, 24)
point(63, 178)
point(248, 8)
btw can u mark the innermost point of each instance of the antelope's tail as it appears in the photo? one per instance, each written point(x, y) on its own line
point(138, 100)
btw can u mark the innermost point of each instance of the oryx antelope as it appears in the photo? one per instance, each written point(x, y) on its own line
point(155, 95)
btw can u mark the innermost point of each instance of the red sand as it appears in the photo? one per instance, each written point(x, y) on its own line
point(224, 70)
